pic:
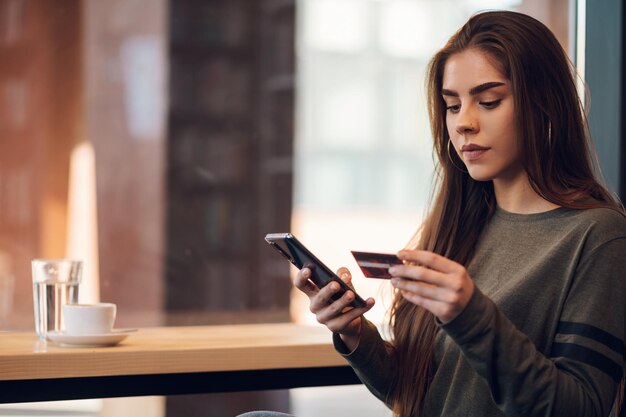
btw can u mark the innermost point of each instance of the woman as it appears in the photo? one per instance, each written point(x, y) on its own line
point(511, 302)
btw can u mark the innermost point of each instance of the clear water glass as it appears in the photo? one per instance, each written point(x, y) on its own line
point(55, 282)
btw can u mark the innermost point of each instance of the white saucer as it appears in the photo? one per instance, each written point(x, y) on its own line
point(92, 340)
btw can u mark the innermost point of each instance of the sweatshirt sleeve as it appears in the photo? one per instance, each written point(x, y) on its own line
point(371, 360)
point(580, 373)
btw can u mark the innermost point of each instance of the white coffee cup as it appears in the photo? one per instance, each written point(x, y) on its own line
point(83, 319)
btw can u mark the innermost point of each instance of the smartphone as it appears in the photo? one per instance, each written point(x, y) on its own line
point(287, 245)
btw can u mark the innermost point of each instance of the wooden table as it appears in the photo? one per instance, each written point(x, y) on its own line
point(172, 360)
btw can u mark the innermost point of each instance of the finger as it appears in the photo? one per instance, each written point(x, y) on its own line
point(324, 297)
point(341, 321)
point(429, 260)
point(338, 323)
point(335, 308)
point(435, 307)
point(301, 281)
point(345, 275)
point(423, 274)
point(441, 310)
point(432, 292)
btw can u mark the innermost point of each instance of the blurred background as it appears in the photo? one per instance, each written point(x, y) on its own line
point(159, 141)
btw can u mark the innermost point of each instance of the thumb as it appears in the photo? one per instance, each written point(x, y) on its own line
point(345, 275)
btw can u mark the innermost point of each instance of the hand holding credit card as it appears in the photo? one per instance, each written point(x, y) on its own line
point(376, 265)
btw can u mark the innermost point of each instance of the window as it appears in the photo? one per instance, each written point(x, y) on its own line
point(364, 162)
point(160, 141)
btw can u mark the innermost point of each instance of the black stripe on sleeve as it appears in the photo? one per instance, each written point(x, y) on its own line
point(592, 332)
point(589, 357)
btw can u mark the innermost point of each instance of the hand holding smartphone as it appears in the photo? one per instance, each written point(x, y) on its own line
point(291, 248)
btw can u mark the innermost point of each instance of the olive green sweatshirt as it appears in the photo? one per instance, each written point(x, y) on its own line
point(542, 335)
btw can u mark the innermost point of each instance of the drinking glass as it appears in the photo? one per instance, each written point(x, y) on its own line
point(55, 282)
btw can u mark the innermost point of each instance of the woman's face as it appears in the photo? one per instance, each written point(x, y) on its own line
point(480, 116)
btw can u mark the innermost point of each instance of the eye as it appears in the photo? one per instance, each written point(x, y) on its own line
point(491, 104)
point(453, 108)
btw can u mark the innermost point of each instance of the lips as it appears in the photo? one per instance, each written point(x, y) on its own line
point(472, 151)
point(470, 147)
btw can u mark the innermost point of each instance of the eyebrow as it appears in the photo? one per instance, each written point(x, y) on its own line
point(474, 90)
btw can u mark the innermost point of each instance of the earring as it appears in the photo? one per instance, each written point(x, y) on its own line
point(452, 159)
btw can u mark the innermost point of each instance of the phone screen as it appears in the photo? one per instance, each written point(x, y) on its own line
point(291, 248)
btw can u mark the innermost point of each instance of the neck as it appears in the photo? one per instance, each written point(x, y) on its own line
point(517, 196)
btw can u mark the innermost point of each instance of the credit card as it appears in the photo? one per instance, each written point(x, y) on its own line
point(375, 265)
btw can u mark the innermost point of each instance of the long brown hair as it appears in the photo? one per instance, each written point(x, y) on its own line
point(556, 153)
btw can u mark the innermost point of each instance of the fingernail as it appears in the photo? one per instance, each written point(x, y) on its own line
point(344, 275)
point(334, 286)
point(395, 281)
point(393, 270)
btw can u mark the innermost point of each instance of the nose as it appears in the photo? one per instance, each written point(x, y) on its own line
point(466, 122)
